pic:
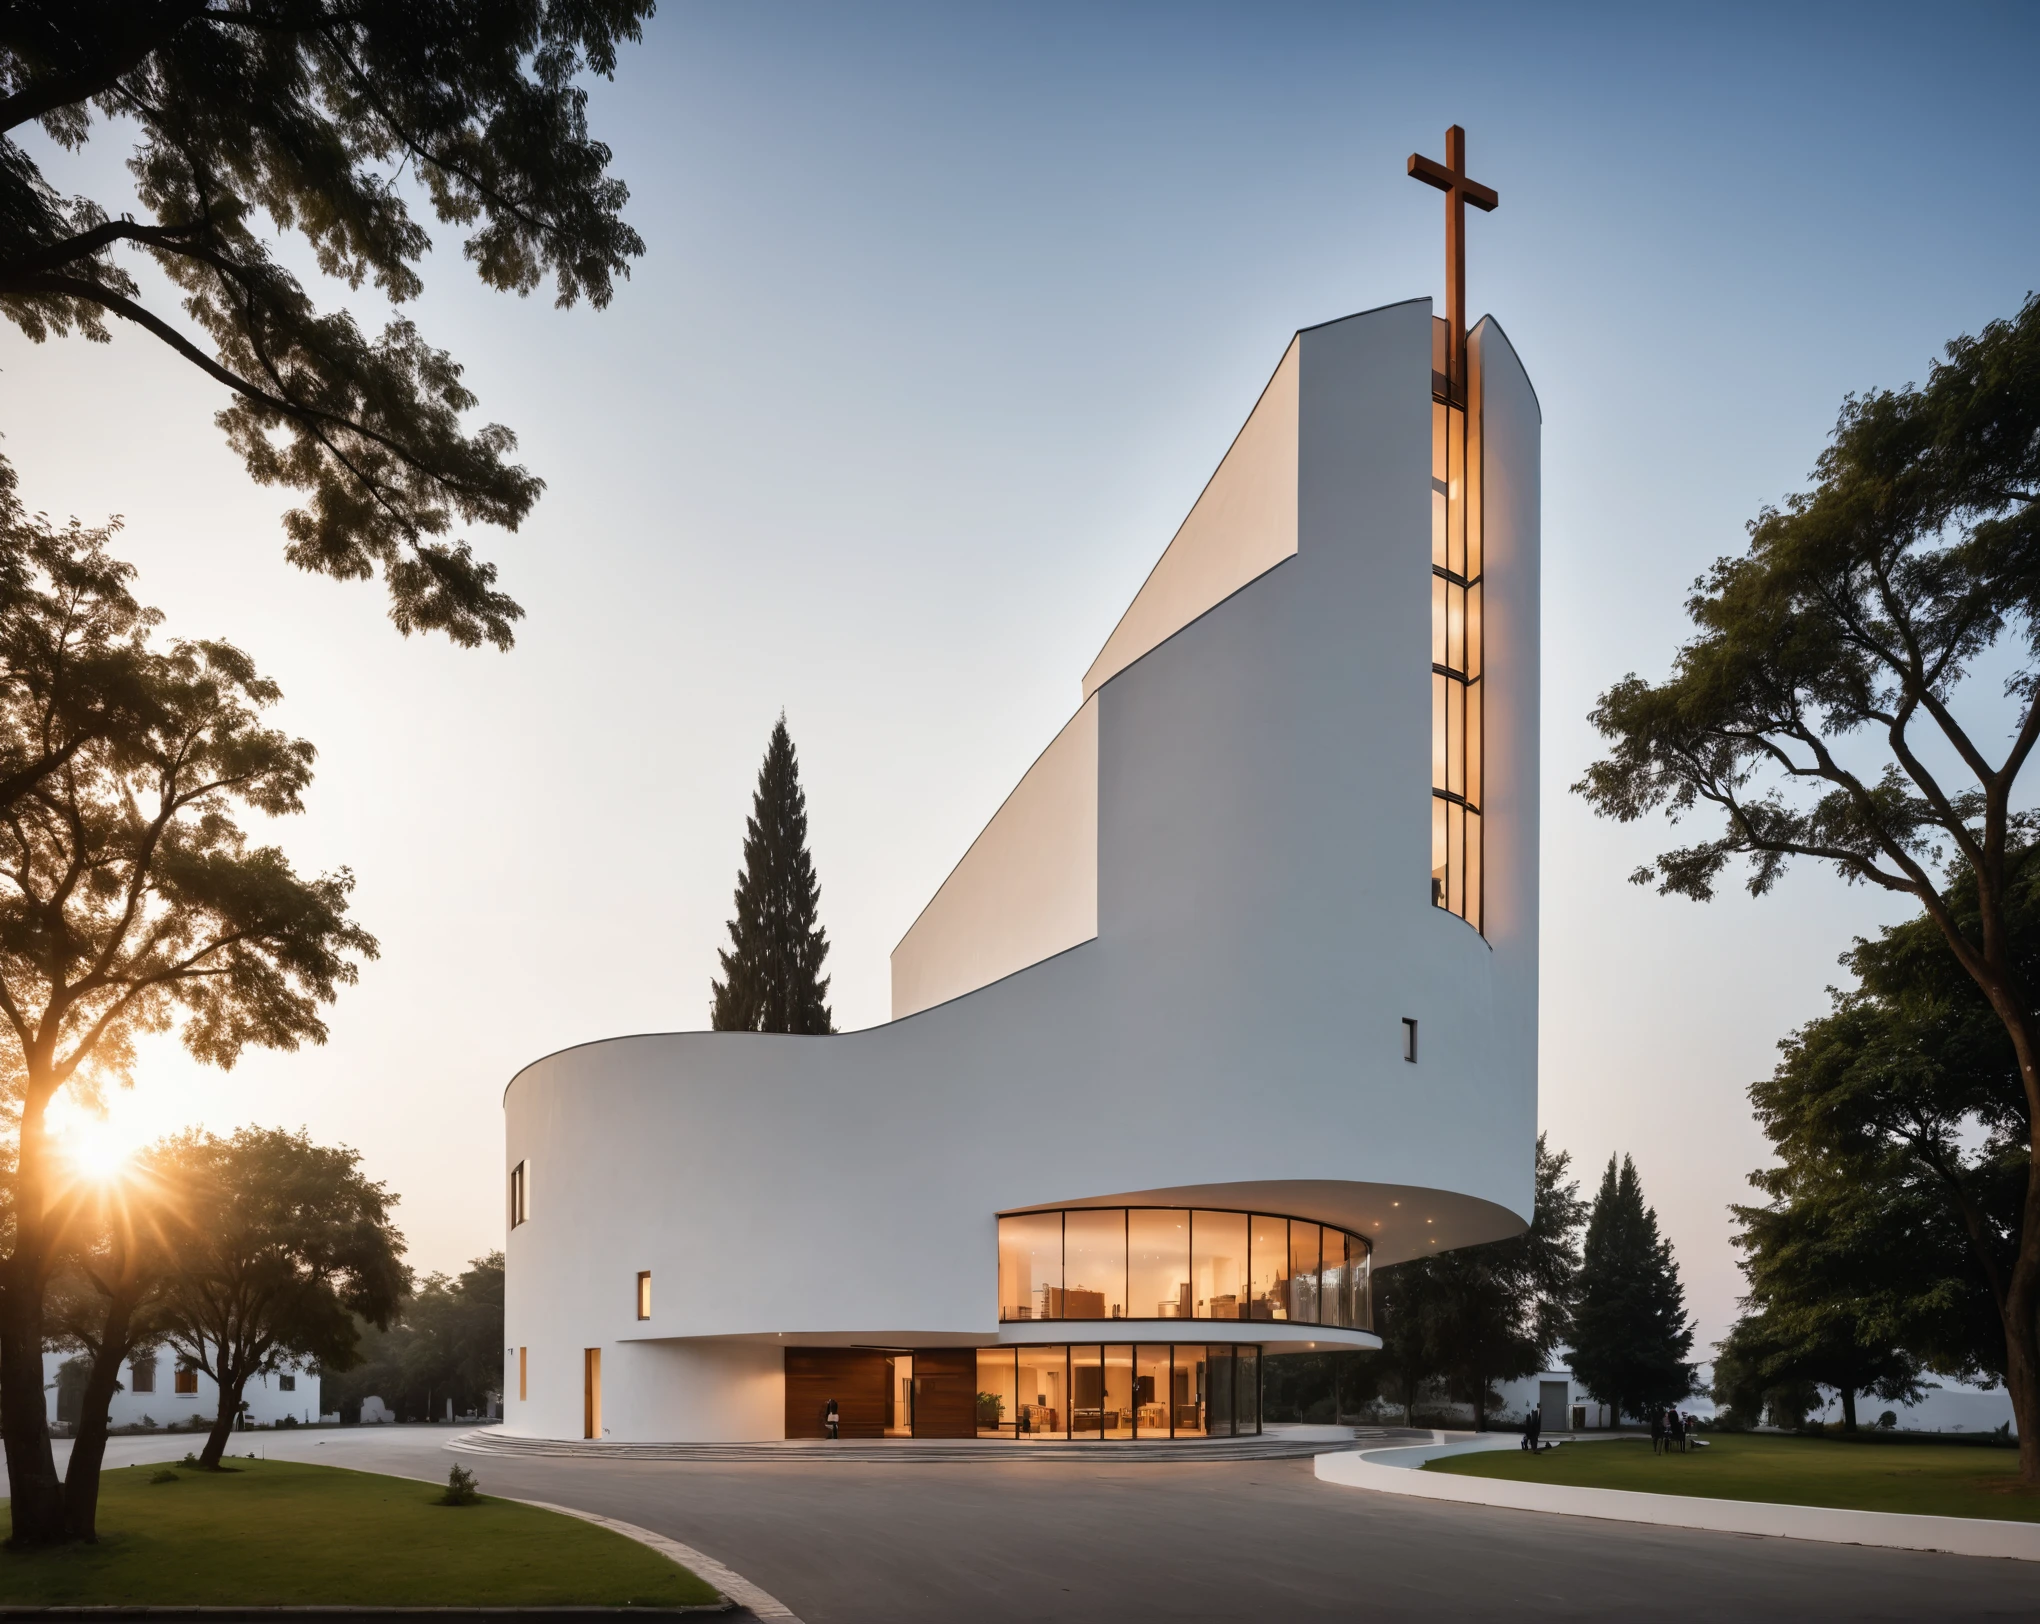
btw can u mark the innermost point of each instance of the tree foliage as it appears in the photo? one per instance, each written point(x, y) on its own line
point(289, 1244)
point(1897, 1207)
point(131, 900)
point(1480, 1315)
point(255, 119)
point(1820, 710)
point(1630, 1332)
point(444, 1342)
point(772, 980)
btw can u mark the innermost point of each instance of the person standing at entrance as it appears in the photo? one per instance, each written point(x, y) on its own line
point(831, 1419)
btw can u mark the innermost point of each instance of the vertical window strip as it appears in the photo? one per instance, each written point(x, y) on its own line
point(1457, 708)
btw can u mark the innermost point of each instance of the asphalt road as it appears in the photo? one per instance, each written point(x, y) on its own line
point(1264, 1540)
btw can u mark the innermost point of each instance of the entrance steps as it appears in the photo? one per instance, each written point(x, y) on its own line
point(1274, 1444)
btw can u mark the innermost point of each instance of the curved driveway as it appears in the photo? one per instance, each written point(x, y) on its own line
point(1259, 1540)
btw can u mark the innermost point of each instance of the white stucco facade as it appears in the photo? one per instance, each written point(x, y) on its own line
point(1174, 970)
point(151, 1398)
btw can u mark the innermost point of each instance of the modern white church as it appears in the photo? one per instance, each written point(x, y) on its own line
point(1233, 1001)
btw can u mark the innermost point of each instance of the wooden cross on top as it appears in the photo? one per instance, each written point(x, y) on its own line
point(1451, 179)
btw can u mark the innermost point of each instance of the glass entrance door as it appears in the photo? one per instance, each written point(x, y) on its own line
point(899, 1404)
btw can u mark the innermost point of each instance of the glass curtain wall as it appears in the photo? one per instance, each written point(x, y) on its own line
point(1150, 1390)
point(1218, 1265)
point(1030, 1265)
point(1043, 1380)
point(1094, 1265)
point(1456, 692)
point(1162, 1263)
point(1158, 1263)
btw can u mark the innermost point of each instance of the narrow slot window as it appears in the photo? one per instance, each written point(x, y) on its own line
point(1409, 1039)
point(644, 1294)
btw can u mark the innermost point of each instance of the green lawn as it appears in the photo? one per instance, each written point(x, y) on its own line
point(273, 1532)
point(1937, 1480)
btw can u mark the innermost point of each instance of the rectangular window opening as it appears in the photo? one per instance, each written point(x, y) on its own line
point(644, 1294)
point(520, 1193)
point(1409, 1039)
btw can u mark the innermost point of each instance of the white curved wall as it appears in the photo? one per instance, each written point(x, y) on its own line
point(1230, 1035)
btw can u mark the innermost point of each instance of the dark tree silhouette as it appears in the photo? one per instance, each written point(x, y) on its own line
point(1820, 711)
point(130, 901)
point(1630, 1333)
point(772, 980)
point(320, 114)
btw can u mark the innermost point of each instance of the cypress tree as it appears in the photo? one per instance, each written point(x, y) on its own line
point(1630, 1333)
point(771, 971)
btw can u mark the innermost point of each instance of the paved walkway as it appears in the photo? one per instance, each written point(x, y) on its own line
point(1246, 1540)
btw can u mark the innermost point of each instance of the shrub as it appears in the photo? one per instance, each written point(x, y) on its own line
point(167, 1476)
point(461, 1489)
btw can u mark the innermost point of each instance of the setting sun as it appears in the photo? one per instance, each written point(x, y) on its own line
point(98, 1148)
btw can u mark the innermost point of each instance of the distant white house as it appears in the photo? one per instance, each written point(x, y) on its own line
point(158, 1389)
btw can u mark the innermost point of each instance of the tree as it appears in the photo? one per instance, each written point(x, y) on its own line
point(772, 980)
point(316, 113)
point(1815, 714)
point(1479, 1315)
point(444, 1342)
point(131, 902)
point(1497, 1311)
point(1630, 1333)
point(1818, 1262)
point(1903, 1142)
point(290, 1242)
point(107, 1301)
point(1405, 1306)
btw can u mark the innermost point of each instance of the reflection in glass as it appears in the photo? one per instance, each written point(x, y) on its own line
point(1158, 1263)
point(1118, 1391)
point(1218, 1391)
point(1304, 1263)
point(1094, 1265)
point(998, 1387)
point(1030, 1265)
point(1335, 1298)
point(1247, 1391)
point(1087, 1391)
point(1218, 1264)
point(1186, 1391)
point(1268, 1255)
point(1044, 1380)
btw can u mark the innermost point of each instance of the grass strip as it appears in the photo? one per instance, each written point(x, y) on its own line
point(1935, 1481)
point(278, 1533)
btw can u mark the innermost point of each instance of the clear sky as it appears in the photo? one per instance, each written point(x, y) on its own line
point(947, 315)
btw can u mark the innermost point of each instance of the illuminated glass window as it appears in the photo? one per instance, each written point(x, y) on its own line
point(1456, 690)
point(644, 1294)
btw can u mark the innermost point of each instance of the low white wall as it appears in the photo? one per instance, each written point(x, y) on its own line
point(1961, 1536)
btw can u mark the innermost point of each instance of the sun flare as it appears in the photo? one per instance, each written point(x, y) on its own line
point(94, 1147)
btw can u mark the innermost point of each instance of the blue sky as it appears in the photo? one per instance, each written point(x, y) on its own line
point(946, 317)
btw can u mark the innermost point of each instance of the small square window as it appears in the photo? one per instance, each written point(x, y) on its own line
point(286, 1384)
point(187, 1377)
point(143, 1373)
point(1409, 1040)
point(644, 1294)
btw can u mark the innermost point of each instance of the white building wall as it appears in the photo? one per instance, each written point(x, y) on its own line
point(1026, 889)
point(267, 1402)
point(1231, 1035)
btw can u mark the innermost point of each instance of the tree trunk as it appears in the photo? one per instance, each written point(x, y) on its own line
point(38, 1497)
point(223, 1423)
point(88, 1453)
point(1848, 1409)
